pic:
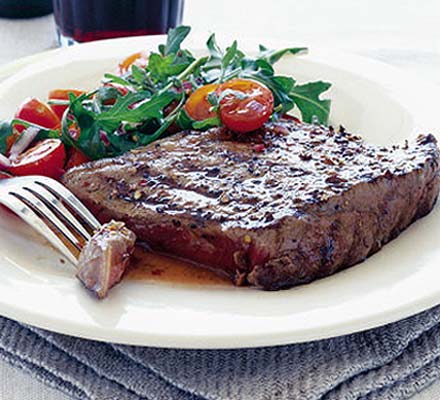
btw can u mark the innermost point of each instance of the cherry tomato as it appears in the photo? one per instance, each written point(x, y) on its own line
point(4, 175)
point(62, 94)
point(247, 110)
point(198, 106)
point(140, 59)
point(36, 112)
point(76, 158)
point(45, 158)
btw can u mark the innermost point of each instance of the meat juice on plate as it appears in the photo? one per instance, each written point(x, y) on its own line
point(148, 266)
point(88, 20)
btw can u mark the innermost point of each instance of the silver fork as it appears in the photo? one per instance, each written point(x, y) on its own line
point(52, 210)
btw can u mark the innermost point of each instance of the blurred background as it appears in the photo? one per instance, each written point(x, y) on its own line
point(401, 32)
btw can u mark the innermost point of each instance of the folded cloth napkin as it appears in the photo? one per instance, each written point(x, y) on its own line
point(392, 362)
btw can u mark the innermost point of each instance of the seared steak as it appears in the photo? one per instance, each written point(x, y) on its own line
point(105, 257)
point(276, 208)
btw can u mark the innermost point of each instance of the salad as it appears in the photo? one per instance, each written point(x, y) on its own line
point(152, 95)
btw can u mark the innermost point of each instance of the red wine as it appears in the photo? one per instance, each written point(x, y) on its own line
point(87, 20)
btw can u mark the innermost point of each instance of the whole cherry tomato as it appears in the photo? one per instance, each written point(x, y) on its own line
point(45, 158)
point(62, 94)
point(245, 105)
point(198, 106)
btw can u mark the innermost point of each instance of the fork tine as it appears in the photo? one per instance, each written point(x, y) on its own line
point(63, 194)
point(33, 219)
point(58, 208)
point(40, 208)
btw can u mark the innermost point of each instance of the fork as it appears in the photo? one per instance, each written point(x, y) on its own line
point(52, 210)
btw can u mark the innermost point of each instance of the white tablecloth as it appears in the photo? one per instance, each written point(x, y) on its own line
point(405, 33)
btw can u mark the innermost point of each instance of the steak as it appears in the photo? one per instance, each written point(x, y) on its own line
point(105, 257)
point(276, 208)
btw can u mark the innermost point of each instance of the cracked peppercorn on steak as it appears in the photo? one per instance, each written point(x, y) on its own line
point(282, 206)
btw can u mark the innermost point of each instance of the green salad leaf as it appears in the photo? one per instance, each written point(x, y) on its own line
point(163, 67)
point(43, 133)
point(207, 123)
point(214, 50)
point(117, 79)
point(171, 59)
point(5, 132)
point(175, 38)
point(99, 133)
point(272, 56)
point(134, 108)
point(230, 55)
point(307, 98)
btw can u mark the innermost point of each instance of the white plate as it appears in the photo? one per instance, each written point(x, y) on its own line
point(369, 98)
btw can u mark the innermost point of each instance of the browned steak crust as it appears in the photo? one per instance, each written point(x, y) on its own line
point(281, 207)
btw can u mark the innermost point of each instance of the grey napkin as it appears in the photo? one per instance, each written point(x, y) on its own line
point(392, 362)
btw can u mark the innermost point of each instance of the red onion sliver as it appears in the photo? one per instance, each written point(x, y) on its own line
point(4, 162)
point(104, 138)
point(23, 142)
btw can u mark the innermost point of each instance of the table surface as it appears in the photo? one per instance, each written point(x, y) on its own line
point(404, 33)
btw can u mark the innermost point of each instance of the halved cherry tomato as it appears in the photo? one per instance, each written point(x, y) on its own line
point(140, 59)
point(62, 94)
point(76, 158)
point(198, 106)
point(45, 158)
point(36, 112)
point(248, 108)
point(4, 175)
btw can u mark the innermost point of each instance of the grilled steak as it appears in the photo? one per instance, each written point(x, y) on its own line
point(105, 257)
point(276, 208)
